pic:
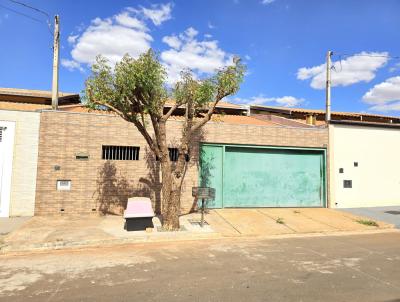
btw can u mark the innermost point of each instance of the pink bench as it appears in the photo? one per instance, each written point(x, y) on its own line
point(138, 214)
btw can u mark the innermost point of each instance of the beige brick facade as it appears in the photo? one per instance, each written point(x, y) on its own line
point(98, 184)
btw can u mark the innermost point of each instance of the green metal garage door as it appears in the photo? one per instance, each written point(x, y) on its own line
point(263, 177)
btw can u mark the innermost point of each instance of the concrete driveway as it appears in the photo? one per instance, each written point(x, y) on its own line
point(386, 214)
point(278, 221)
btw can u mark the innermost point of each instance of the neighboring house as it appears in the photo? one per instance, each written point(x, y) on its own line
point(19, 139)
point(98, 160)
point(364, 160)
point(365, 164)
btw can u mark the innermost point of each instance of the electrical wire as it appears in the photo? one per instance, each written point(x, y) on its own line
point(47, 22)
point(22, 14)
point(343, 55)
point(366, 55)
point(31, 7)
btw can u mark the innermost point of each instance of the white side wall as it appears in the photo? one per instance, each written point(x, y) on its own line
point(376, 180)
point(24, 168)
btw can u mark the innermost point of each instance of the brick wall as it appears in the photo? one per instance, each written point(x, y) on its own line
point(105, 185)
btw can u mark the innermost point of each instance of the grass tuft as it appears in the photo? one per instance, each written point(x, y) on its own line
point(280, 220)
point(367, 222)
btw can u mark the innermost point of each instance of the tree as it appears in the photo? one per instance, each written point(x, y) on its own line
point(136, 90)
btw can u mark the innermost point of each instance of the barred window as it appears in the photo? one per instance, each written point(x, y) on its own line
point(120, 153)
point(173, 154)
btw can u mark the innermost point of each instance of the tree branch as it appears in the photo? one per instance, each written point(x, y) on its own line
point(142, 129)
point(112, 108)
point(147, 137)
point(170, 111)
point(209, 113)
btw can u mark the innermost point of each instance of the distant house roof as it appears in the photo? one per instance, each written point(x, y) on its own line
point(225, 107)
point(34, 97)
point(19, 106)
point(217, 118)
point(222, 107)
point(295, 113)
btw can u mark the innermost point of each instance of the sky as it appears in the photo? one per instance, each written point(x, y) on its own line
point(283, 43)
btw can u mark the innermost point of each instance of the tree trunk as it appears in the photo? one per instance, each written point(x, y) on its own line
point(172, 176)
point(171, 191)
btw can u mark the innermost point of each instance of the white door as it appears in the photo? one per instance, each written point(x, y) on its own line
point(7, 130)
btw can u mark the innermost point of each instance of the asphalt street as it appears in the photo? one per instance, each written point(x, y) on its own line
point(329, 268)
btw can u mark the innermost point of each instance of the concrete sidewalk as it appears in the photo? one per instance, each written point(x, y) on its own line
point(9, 224)
point(387, 214)
point(58, 232)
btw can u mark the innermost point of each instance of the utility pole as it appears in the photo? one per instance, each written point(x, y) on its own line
point(54, 90)
point(328, 87)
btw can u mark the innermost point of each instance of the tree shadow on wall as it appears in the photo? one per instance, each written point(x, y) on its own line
point(113, 188)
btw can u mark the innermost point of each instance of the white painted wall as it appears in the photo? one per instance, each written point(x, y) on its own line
point(24, 163)
point(376, 180)
point(6, 160)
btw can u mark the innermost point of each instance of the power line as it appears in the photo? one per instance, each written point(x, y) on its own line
point(365, 55)
point(47, 22)
point(31, 7)
point(21, 14)
point(343, 55)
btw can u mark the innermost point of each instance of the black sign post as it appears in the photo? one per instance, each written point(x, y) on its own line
point(203, 193)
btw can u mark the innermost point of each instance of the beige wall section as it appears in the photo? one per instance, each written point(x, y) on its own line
point(376, 180)
point(105, 185)
point(23, 182)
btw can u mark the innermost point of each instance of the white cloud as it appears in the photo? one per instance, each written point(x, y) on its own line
point(384, 96)
point(72, 39)
point(71, 65)
point(202, 57)
point(267, 2)
point(126, 32)
point(190, 33)
point(172, 41)
point(288, 101)
point(354, 69)
point(395, 106)
point(158, 13)
point(210, 25)
point(125, 19)
point(285, 101)
point(111, 37)
point(395, 67)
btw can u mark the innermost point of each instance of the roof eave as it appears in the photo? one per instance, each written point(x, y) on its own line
point(365, 124)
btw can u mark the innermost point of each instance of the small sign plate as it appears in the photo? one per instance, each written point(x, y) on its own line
point(63, 185)
point(203, 193)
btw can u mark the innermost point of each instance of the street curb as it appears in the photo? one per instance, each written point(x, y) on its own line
point(71, 246)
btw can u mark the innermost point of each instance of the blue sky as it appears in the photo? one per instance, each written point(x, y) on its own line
point(282, 42)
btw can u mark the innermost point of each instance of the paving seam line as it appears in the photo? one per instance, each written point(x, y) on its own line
point(265, 214)
point(323, 222)
point(228, 222)
point(319, 221)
